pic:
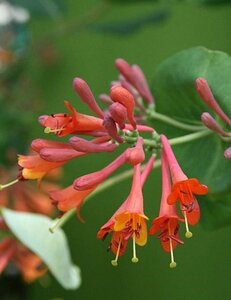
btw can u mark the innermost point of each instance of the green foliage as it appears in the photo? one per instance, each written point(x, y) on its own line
point(210, 1)
point(216, 214)
point(52, 248)
point(131, 1)
point(131, 26)
point(174, 90)
point(51, 8)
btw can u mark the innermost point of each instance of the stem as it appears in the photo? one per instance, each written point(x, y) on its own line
point(61, 221)
point(189, 137)
point(173, 122)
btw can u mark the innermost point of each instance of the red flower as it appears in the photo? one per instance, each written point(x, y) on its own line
point(183, 189)
point(128, 222)
point(64, 124)
point(167, 221)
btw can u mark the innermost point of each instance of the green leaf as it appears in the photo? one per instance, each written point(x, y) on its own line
point(176, 97)
point(210, 1)
point(32, 231)
point(132, 1)
point(51, 8)
point(216, 214)
point(131, 26)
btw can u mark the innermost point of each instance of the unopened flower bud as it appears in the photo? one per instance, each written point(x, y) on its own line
point(39, 144)
point(119, 114)
point(86, 146)
point(206, 95)
point(111, 128)
point(59, 155)
point(85, 93)
point(141, 84)
point(212, 124)
point(227, 153)
point(136, 155)
point(121, 95)
point(106, 99)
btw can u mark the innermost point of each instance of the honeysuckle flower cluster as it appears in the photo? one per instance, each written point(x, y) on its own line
point(123, 122)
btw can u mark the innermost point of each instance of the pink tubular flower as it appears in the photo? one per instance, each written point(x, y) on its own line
point(132, 155)
point(206, 95)
point(183, 189)
point(167, 221)
point(64, 124)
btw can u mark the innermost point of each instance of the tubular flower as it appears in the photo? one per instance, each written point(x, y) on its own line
point(128, 222)
point(183, 189)
point(69, 198)
point(167, 221)
point(34, 167)
point(64, 124)
point(50, 155)
point(133, 155)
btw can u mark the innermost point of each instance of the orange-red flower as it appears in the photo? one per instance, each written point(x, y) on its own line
point(25, 196)
point(34, 167)
point(69, 198)
point(129, 221)
point(167, 221)
point(29, 264)
point(64, 124)
point(183, 189)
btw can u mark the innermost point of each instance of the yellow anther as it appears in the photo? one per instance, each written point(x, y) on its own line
point(188, 233)
point(47, 130)
point(172, 264)
point(114, 263)
point(135, 260)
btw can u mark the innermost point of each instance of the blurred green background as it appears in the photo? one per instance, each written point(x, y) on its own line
point(64, 47)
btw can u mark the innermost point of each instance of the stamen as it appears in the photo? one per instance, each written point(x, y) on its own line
point(3, 186)
point(172, 263)
point(49, 130)
point(114, 262)
point(134, 258)
point(188, 234)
